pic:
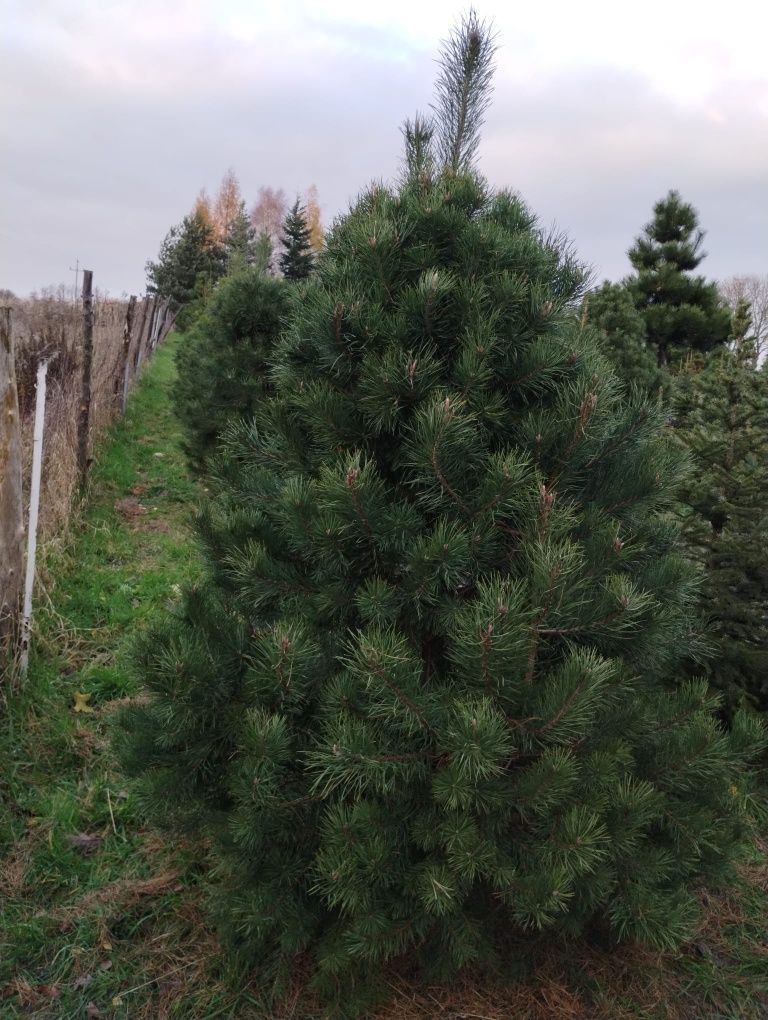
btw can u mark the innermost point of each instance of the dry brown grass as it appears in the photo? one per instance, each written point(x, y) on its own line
point(51, 327)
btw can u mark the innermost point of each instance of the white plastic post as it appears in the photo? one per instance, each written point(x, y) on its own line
point(34, 513)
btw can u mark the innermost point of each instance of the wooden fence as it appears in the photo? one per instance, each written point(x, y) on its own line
point(65, 374)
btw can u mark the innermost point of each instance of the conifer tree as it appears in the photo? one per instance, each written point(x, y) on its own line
point(611, 311)
point(742, 337)
point(298, 258)
point(190, 258)
point(222, 373)
point(723, 425)
point(420, 702)
point(241, 244)
point(264, 251)
point(682, 312)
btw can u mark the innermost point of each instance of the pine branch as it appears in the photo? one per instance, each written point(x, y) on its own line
point(463, 91)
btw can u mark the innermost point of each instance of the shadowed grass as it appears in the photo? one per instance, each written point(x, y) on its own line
point(101, 916)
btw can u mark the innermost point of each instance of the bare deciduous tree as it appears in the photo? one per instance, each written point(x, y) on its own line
point(752, 288)
point(269, 212)
point(314, 220)
point(226, 206)
point(202, 208)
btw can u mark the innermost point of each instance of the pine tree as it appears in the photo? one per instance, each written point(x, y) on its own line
point(222, 365)
point(611, 310)
point(190, 259)
point(420, 702)
point(723, 425)
point(682, 312)
point(297, 259)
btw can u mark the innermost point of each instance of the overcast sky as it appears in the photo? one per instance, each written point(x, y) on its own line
point(116, 112)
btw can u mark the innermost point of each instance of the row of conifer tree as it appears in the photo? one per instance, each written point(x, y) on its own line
point(481, 639)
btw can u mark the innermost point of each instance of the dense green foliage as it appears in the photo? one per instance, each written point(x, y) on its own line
point(426, 696)
point(611, 310)
point(682, 312)
point(723, 424)
point(81, 933)
point(242, 245)
point(419, 700)
point(190, 259)
point(298, 258)
point(222, 365)
point(720, 421)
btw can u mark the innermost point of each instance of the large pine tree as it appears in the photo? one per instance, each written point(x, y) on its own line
point(426, 697)
point(682, 312)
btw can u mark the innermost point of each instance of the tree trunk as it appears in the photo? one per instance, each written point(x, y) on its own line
point(11, 517)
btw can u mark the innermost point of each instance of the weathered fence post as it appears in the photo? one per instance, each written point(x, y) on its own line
point(34, 512)
point(150, 324)
point(84, 421)
point(127, 337)
point(11, 514)
point(140, 332)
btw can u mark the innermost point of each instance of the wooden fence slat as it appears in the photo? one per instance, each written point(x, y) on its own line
point(125, 371)
point(11, 513)
point(84, 421)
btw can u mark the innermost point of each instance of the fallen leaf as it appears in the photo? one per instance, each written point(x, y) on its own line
point(81, 702)
point(92, 1010)
point(82, 982)
point(105, 965)
point(49, 991)
point(106, 946)
point(138, 490)
point(86, 844)
point(117, 1001)
point(130, 507)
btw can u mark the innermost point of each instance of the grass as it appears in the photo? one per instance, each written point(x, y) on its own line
point(103, 917)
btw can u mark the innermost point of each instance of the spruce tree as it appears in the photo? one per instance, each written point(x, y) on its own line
point(425, 698)
point(723, 425)
point(241, 244)
point(222, 365)
point(265, 251)
point(298, 256)
point(742, 339)
point(682, 312)
point(611, 311)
